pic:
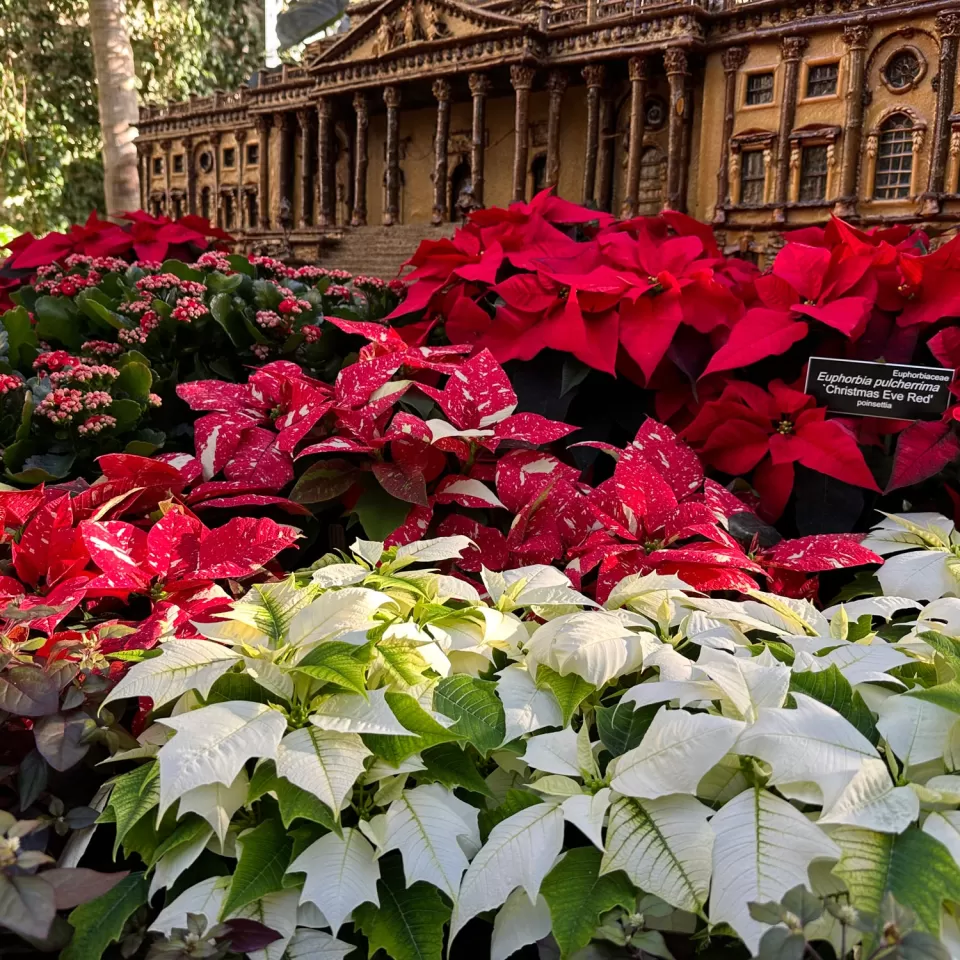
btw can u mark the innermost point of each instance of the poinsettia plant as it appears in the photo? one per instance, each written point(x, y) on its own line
point(571, 297)
point(574, 773)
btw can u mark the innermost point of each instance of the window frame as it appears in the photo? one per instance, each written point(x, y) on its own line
point(917, 80)
point(809, 65)
point(824, 175)
point(223, 158)
point(255, 149)
point(910, 153)
point(761, 180)
point(745, 88)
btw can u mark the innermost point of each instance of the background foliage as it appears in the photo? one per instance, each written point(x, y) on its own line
point(50, 169)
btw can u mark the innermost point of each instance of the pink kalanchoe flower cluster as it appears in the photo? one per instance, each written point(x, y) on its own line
point(369, 283)
point(214, 261)
point(336, 290)
point(61, 406)
point(260, 350)
point(269, 320)
point(54, 360)
point(78, 260)
point(136, 307)
point(9, 382)
point(311, 333)
point(149, 322)
point(72, 284)
point(273, 265)
point(188, 309)
point(48, 270)
point(96, 424)
point(132, 337)
point(97, 400)
point(101, 348)
point(398, 286)
point(85, 373)
point(162, 282)
point(292, 305)
point(341, 276)
point(147, 265)
point(110, 264)
point(310, 272)
point(153, 400)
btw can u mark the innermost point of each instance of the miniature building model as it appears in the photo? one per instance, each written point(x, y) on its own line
point(756, 115)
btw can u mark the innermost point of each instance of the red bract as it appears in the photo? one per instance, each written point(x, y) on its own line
point(750, 429)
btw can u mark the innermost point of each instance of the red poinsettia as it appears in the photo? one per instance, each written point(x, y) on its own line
point(751, 429)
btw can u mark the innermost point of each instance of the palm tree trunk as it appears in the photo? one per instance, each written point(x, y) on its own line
point(116, 89)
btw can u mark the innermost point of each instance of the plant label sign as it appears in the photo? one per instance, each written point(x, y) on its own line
point(895, 391)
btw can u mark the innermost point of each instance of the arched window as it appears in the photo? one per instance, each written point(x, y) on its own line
point(205, 203)
point(894, 158)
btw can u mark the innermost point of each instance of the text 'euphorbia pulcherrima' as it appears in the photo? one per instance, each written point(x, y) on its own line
point(767, 432)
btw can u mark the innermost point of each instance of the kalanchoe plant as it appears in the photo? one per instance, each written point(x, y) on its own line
point(575, 771)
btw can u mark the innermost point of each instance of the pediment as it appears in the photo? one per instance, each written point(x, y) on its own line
point(400, 26)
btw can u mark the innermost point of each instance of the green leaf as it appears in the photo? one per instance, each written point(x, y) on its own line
point(475, 706)
point(916, 868)
point(297, 804)
point(223, 312)
point(946, 695)
point(576, 895)
point(135, 381)
point(57, 320)
point(127, 413)
point(622, 727)
point(323, 481)
point(241, 265)
point(425, 731)
point(100, 313)
point(379, 513)
point(832, 688)
point(570, 690)
point(134, 794)
point(188, 830)
point(180, 270)
point(264, 857)
point(44, 467)
point(21, 338)
point(515, 801)
point(408, 924)
point(453, 767)
point(335, 662)
point(100, 922)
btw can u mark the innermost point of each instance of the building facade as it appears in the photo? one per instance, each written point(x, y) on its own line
point(757, 115)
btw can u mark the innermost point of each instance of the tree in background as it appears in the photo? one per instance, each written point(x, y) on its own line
point(51, 172)
point(117, 96)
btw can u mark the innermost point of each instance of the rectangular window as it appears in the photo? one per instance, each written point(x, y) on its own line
point(894, 163)
point(752, 178)
point(759, 88)
point(253, 154)
point(822, 79)
point(178, 163)
point(229, 158)
point(157, 165)
point(813, 173)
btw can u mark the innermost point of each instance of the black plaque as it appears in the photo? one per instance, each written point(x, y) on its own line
point(895, 391)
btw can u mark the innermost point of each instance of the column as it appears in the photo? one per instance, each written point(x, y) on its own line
point(167, 202)
point(675, 61)
point(285, 172)
point(360, 106)
point(591, 11)
point(264, 122)
point(953, 175)
point(733, 58)
point(543, 15)
point(326, 175)
point(556, 85)
point(190, 167)
point(391, 97)
point(217, 199)
point(479, 89)
point(791, 52)
point(638, 93)
point(522, 80)
point(855, 37)
point(241, 137)
point(948, 26)
point(594, 76)
point(608, 139)
point(306, 169)
point(143, 164)
point(441, 90)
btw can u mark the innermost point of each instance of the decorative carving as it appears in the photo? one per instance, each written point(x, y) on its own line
point(733, 58)
point(441, 90)
point(480, 85)
point(856, 36)
point(413, 23)
point(595, 76)
point(675, 61)
point(872, 142)
point(795, 159)
point(918, 136)
point(793, 47)
point(638, 69)
point(521, 77)
point(383, 42)
point(955, 143)
point(557, 83)
point(948, 24)
point(391, 97)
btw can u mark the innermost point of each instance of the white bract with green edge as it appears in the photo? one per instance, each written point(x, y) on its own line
point(372, 744)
